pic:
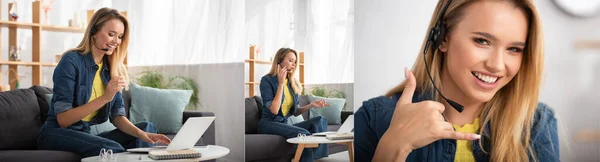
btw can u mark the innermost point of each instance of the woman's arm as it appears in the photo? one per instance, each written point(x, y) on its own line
point(64, 93)
point(123, 124)
point(303, 109)
point(316, 103)
point(276, 103)
point(71, 116)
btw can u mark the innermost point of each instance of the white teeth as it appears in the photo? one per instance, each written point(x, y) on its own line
point(485, 78)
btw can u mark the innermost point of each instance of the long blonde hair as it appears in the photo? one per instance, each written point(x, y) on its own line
point(279, 56)
point(117, 58)
point(511, 111)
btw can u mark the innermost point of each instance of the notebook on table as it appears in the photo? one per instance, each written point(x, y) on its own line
point(178, 154)
point(345, 129)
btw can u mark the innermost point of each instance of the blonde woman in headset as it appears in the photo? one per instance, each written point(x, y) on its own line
point(486, 60)
point(279, 91)
point(88, 82)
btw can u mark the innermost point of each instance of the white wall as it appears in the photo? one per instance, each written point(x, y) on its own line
point(220, 92)
point(389, 33)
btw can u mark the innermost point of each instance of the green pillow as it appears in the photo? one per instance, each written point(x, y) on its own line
point(332, 113)
point(163, 107)
point(94, 129)
point(295, 119)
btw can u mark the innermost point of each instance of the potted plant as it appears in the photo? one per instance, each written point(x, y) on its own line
point(155, 79)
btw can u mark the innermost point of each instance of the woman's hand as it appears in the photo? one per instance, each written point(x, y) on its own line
point(116, 84)
point(281, 74)
point(154, 138)
point(415, 125)
point(319, 103)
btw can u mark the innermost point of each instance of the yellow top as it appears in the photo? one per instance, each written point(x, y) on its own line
point(464, 148)
point(288, 99)
point(97, 91)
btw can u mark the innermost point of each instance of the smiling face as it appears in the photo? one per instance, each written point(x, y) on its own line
point(289, 62)
point(109, 36)
point(484, 50)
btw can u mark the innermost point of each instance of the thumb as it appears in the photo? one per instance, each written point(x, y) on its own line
point(409, 88)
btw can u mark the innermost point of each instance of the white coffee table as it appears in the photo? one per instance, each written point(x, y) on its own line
point(209, 152)
point(314, 141)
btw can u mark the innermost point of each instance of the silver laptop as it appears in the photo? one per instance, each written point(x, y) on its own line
point(186, 138)
point(346, 128)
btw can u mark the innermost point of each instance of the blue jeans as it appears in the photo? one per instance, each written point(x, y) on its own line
point(86, 144)
point(312, 125)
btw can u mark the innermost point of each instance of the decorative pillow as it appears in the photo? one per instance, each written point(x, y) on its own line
point(332, 113)
point(20, 120)
point(163, 107)
point(94, 129)
point(295, 119)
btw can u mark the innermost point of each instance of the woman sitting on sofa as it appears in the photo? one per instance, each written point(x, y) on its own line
point(279, 91)
point(88, 82)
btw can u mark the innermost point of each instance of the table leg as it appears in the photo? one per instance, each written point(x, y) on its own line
point(350, 150)
point(298, 152)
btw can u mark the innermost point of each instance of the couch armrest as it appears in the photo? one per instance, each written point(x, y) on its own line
point(345, 115)
point(209, 136)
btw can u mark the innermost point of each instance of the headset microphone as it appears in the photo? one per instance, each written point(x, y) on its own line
point(436, 35)
point(103, 49)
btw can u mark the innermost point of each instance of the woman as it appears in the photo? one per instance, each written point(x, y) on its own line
point(88, 82)
point(490, 60)
point(279, 91)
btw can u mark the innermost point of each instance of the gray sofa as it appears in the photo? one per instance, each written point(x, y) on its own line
point(274, 148)
point(22, 113)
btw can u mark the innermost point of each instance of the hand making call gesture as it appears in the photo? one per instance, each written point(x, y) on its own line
point(415, 125)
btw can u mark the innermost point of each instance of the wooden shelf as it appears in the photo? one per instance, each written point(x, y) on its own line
point(54, 28)
point(264, 62)
point(588, 136)
point(18, 24)
point(19, 63)
point(37, 27)
point(62, 29)
point(589, 44)
point(49, 64)
point(22, 63)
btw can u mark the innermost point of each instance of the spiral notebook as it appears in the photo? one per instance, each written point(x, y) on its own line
point(179, 154)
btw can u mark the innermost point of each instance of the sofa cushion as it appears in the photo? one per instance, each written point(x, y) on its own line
point(295, 119)
point(20, 120)
point(163, 107)
point(127, 101)
point(269, 146)
point(39, 155)
point(332, 113)
point(252, 114)
point(40, 93)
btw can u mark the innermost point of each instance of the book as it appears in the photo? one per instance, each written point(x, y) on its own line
point(340, 136)
point(179, 154)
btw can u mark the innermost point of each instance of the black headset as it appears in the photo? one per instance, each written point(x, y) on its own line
point(435, 38)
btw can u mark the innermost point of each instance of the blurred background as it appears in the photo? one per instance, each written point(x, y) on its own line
point(388, 37)
point(183, 44)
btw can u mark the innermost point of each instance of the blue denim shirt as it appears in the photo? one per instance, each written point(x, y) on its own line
point(73, 78)
point(268, 88)
point(374, 117)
